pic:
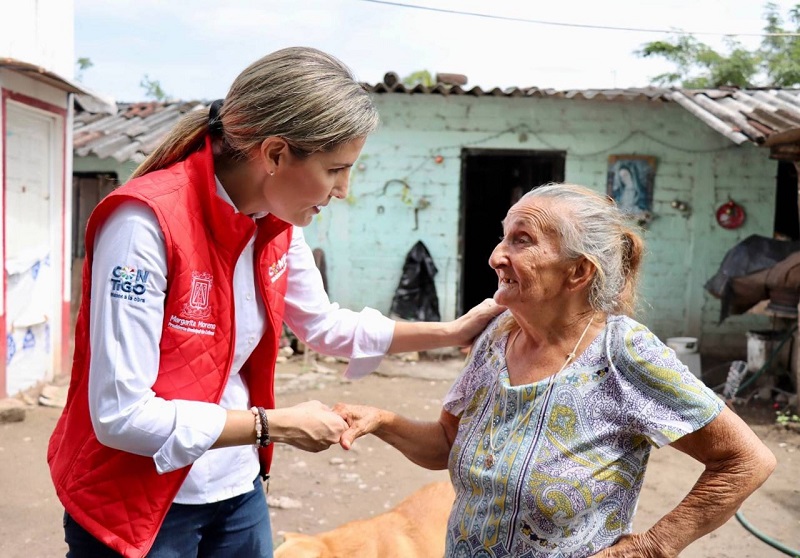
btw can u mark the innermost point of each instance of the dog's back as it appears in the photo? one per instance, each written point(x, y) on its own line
point(414, 529)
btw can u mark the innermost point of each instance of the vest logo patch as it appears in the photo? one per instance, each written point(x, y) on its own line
point(277, 269)
point(194, 313)
point(199, 305)
point(129, 283)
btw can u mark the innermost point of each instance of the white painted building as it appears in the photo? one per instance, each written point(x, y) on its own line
point(36, 99)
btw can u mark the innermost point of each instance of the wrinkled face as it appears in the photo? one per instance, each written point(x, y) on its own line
point(301, 187)
point(528, 262)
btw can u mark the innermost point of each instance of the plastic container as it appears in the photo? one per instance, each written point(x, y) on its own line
point(760, 345)
point(686, 348)
point(682, 344)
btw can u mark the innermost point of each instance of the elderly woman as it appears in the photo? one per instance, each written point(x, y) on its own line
point(547, 431)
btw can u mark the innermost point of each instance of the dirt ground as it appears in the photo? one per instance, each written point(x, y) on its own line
point(311, 493)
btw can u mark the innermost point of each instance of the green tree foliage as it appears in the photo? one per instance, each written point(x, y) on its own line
point(423, 77)
point(782, 54)
point(83, 65)
point(153, 89)
point(776, 63)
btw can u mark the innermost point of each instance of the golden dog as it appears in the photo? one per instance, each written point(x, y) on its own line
point(414, 529)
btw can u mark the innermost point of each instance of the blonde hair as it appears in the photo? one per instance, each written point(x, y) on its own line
point(307, 97)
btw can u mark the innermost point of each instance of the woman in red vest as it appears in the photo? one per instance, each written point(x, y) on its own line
point(191, 269)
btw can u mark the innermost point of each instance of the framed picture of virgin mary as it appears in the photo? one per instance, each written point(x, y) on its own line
point(630, 183)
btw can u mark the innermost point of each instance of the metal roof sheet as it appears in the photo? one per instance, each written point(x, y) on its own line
point(761, 116)
point(132, 133)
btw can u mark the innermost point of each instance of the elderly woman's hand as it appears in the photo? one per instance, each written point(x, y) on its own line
point(426, 443)
point(310, 426)
point(736, 463)
point(470, 325)
point(361, 420)
point(638, 545)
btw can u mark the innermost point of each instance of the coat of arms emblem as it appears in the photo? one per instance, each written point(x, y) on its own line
point(199, 305)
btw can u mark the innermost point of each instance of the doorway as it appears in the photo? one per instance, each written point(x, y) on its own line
point(786, 215)
point(33, 219)
point(491, 182)
point(88, 188)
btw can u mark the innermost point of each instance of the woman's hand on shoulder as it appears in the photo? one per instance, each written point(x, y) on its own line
point(310, 426)
point(470, 325)
point(638, 545)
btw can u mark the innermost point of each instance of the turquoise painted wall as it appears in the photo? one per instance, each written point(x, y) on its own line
point(366, 237)
point(108, 165)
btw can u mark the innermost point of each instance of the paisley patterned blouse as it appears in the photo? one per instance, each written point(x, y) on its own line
point(568, 462)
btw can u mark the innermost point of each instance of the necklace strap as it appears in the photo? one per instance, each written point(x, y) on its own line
point(551, 381)
point(572, 355)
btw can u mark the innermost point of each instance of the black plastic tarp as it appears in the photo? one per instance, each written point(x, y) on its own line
point(415, 297)
point(741, 281)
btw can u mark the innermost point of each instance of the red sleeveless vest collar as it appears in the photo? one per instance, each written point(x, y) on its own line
point(118, 496)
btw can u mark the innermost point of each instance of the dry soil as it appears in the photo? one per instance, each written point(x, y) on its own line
point(316, 492)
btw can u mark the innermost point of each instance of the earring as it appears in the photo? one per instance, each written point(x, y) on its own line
point(272, 173)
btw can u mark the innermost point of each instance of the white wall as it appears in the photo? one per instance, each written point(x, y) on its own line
point(40, 32)
point(35, 229)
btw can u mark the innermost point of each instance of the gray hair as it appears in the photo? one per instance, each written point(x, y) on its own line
point(593, 227)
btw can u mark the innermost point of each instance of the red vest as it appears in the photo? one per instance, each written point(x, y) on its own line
point(118, 496)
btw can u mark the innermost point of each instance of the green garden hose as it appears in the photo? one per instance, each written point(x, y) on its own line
point(769, 540)
point(739, 516)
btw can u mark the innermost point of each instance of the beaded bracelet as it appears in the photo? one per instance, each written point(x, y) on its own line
point(262, 426)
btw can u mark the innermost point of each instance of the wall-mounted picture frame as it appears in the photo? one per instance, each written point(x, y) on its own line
point(631, 179)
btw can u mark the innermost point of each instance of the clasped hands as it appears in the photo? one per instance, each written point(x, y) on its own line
point(313, 426)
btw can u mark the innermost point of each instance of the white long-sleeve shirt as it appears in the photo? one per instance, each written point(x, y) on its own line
point(125, 336)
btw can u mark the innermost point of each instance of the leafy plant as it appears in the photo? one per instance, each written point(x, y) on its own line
point(153, 88)
point(776, 63)
point(84, 64)
point(785, 417)
point(423, 77)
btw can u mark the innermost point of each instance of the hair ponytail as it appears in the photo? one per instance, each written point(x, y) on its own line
point(185, 138)
point(632, 253)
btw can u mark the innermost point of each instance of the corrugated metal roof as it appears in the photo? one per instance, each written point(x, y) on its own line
point(763, 116)
point(392, 84)
point(131, 134)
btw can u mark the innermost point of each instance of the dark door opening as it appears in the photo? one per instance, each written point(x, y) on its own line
point(491, 182)
point(88, 188)
point(786, 218)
